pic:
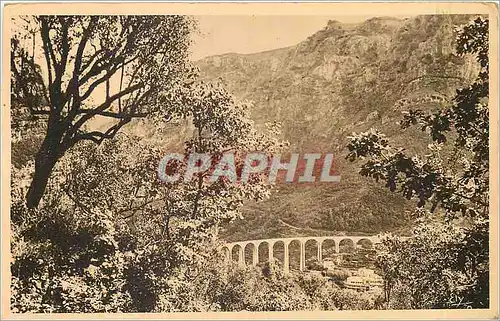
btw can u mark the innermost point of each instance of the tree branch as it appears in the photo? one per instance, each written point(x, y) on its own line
point(99, 81)
point(113, 115)
point(45, 40)
point(97, 137)
point(104, 106)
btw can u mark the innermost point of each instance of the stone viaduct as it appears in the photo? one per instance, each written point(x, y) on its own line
point(241, 246)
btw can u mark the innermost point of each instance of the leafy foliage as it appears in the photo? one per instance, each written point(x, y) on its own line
point(108, 222)
point(64, 260)
point(445, 265)
point(108, 236)
point(441, 266)
point(213, 285)
point(433, 179)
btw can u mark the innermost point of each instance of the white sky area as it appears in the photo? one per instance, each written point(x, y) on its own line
point(249, 34)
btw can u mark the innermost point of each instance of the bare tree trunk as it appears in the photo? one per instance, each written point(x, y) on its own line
point(45, 160)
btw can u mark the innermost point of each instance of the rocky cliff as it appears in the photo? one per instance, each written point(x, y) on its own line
point(343, 79)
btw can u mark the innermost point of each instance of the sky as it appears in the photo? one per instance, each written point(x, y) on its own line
point(250, 34)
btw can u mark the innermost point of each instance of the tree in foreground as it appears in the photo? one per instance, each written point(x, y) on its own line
point(109, 226)
point(445, 264)
point(70, 71)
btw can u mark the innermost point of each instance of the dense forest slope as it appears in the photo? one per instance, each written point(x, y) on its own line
point(343, 79)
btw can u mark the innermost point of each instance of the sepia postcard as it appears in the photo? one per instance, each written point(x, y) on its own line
point(168, 160)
